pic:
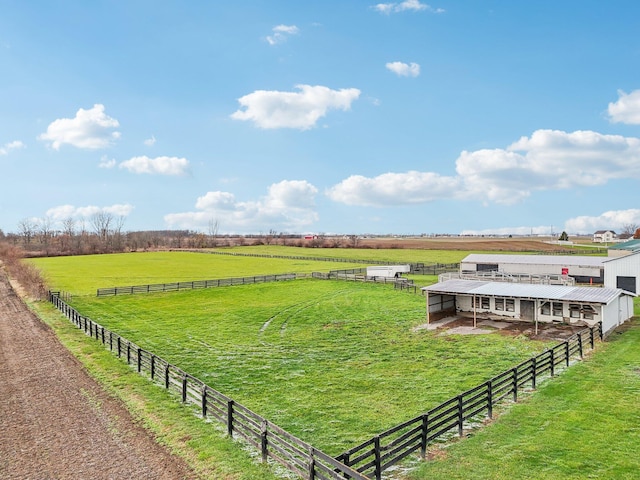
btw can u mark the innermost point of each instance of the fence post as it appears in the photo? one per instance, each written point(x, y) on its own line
point(515, 384)
point(184, 388)
point(533, 373)
point(580, 345)
point(110, 341)
point(230, 418)
point(139, 359)
point(204, 401)
point(600, 331)
point(460, 416)
point(103, 342)
point(591, 339)
point(424, 436)
point(566, 352)
point(490, 399)
point(153, 366)
point(119, 348)
point(378, 462)
point(311, 468)
point(166, 377)
point(553, 361)
point(263, 441)
point(128, 352)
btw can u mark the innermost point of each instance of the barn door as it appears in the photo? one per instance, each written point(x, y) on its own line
point(626, 283)
point(527, 309)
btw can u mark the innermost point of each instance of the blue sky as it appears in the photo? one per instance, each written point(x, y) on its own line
point(325, 116)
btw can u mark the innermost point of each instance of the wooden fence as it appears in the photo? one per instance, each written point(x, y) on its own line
point(448, 419)
point(272, 441)
point(222, 282)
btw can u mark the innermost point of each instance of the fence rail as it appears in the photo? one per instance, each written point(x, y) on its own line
point(272, 441)
point(467, 409)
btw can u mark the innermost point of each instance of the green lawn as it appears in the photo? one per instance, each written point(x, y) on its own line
point(83, 275)
point(399, 255)
point(333, 362)
point(583, 424)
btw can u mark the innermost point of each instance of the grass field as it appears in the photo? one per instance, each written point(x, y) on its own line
point(333, 362)
point(337, 362)
point(584, 424)
point(83, 275)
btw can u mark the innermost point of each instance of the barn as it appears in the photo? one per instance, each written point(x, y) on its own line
point(583, 269)
point(623, 272)
point(534, 303)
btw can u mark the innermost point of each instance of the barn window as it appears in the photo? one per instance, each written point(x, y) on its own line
point(574, 310)
point(499, 303)
point(485, 303)
point(510, 305)
point(588, 312)
point(557, 309)
point(545, 308)
point(476, 302)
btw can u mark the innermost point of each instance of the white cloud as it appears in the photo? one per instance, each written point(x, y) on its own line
point(62, 212)
point(626, 109)
point(8, 147)
point(404, 69)
point(301, 110)
point(611, 220)
point(149, 142)
point(391, 189)
point(407, 5)
point(105, 162)
point(158, 165)
point(288, 206)
point(89, 129)
point(281, 33)
point(548, 160)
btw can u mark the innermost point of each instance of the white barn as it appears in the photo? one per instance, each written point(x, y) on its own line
point(623, 272)
point(534, 303)
point(583, 269)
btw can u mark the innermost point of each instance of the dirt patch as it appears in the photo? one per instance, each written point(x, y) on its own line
point(464, 326)
point(57, 422)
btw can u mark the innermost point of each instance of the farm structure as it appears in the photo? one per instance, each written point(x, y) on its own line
point(582, 269)
point(388, 271)
point(623, 272)
point(533, 303)
point(626, 248)
point(604, 236)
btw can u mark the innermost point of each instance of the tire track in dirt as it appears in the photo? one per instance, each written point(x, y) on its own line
point(55, 420)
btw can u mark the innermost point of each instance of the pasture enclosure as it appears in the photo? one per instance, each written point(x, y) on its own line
point(331, 362)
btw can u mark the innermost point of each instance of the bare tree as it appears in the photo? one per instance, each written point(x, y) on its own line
point(45, 230)
point(214, 225)
point(27, 228)
point(101, 223)
point(630, 228)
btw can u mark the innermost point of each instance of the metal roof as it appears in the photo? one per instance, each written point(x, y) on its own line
point(520, 290)
point(632, 245)
point(580, 260)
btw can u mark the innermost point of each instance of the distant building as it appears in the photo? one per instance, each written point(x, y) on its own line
point(604, 236)
point(584, 269)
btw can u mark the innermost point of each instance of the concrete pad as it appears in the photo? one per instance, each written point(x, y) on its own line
point(466, 331)
point(435, 325)
point(493, 324)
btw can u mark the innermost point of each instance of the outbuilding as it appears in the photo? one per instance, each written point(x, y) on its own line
point(388, 271)
point(583, 269)
point(625, 248)
point(533, 303)
point(623, 272)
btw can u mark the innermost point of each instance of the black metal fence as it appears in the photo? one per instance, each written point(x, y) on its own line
point(272, 441)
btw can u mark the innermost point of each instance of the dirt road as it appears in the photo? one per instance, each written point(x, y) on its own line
point(56, 422)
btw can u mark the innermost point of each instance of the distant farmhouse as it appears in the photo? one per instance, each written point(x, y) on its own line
point(604, 236)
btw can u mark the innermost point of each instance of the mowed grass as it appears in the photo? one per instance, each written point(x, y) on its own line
point(83, 275)
point(400, 255)
point(333, 362)
point(584, 424)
